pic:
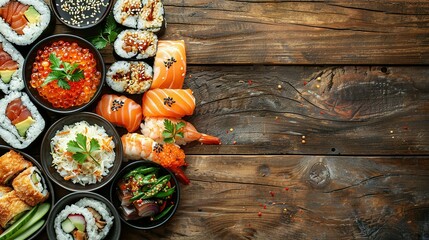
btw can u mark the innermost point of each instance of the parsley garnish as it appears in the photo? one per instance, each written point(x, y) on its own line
point(172, 130)
point(108, 35)
point(63, 72)
point(80, 150)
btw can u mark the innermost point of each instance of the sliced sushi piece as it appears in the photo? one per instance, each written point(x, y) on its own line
point(136, 44)
point(23, 21)
point(75, 222)
point(12, 208)
point(30, 186)
point(11, 66)
point(11, 164)
point(129, 77)
point(141, 14)
point(20, 121)
point(102, 216)
point(170, 65)
point(174, 103)
point(121, 111)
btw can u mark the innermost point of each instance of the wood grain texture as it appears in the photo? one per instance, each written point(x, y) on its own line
point(307, 32)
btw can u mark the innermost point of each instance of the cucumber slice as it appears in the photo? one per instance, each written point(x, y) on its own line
point(41, 211)
point(67, 226)
point(31, 230)
point(18, 224)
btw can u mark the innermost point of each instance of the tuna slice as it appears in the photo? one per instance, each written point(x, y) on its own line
point(17, 112)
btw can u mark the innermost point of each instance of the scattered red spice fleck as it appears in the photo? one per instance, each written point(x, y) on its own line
point(227, 131)
point(272, 193)
point(259, 214)
point(305, 83)
point(235, 142)
point(405, 127)
point(321, 112)
point(250, 82)
point(261, 205)
point(265, 206)
point(286, 188)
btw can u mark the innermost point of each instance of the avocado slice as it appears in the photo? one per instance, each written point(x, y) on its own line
point(6, 75)
point(32, 15)
point(23, 126)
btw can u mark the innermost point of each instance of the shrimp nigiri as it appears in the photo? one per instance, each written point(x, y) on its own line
point(154, 128)
point(170, 65)
point(170, 156)
point(175, 103)
point(121, 111)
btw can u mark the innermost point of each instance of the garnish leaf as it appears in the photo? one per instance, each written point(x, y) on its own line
point(63, 72)
point(180, 125)
point(80, 150)
point(94, 145)
point(76, 76)
point(63, 84)
point(99, 42)
point(55, 62)
point(108, 35)
point(81, 140)
point(172, 131)
point(169, 140)
point(180, 134)
point(73, 146)
point(80, 157)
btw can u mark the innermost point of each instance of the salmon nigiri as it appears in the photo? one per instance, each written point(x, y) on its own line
point(170, 65)
point(174, 103)
point(120, 111)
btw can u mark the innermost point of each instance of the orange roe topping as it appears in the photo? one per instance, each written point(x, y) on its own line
point(170, 156)
point(80, 92)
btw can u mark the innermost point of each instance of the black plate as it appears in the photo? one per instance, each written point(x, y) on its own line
point(115, 230)
point(46, 158)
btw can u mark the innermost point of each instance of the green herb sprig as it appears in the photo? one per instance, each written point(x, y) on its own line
point(80, 150)
point(108, 34)
point(63, 72)
point(172, 130)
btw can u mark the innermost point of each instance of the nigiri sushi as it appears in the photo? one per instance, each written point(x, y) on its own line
point(174, 130)
point(121, 111)
point(170, 65)
point(174, 103)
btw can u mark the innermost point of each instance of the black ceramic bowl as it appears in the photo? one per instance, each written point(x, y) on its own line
point(46, 157)
point(51, 199)
point(70, 12)
point(72, 198)
point(145, 223)
point(28, 66)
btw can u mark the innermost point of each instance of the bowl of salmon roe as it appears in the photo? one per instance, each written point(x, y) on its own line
point(64, 73)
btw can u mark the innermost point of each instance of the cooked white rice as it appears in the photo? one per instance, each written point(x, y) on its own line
point(102, 209)
point(139, 18)
point(90, 229)
point(88, 172)
point(16, 83)
point(33, 30)
point(130, 85)
point(8, 131)
point(136, 53)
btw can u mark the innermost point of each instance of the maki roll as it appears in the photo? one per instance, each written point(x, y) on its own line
point(103, 218)
point(20, 120)
point(11, 65)
point(170, 65)
point(136, 44)
point(30, 186)
point(75, 223)
point(141, 14)
point(11, 209)
point(23, 21)
point(129, 77)
point(11, 164)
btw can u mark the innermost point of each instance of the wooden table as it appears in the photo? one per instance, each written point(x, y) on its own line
point(323, 112)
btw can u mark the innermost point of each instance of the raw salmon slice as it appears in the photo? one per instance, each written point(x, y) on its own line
point(174, 103)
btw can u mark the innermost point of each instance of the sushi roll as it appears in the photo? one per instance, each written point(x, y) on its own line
point(173, 103)
point(11, 208)
point(129, 77)
point(20, 121)
point(23, 21)
point(11, 66)
point(30, 186)
point(121, 111)
point(74, 223)
point(102, 216)
point(135, 44)
point(141, 14)
point(170, 65)
point(11, 164)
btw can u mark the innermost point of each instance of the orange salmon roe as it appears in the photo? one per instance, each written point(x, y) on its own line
point(171, 156)
point(80, 92)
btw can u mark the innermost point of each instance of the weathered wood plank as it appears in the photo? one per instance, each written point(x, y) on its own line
point(311, 32)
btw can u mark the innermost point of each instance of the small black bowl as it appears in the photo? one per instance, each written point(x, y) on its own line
point(145, 223)
point(51, 198)
point(72, 198)
point(90, 13)
point(46, 157)
point(28, 66)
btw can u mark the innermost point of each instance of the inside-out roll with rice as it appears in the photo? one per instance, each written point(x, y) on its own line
point(102, 216)
point(11, 208)
point(20, 121)
point(136, 44)
point(30, 186)
point(141, 14)
point(130, 77)
point(23, 21)
point(11, 164)
point(11, 66)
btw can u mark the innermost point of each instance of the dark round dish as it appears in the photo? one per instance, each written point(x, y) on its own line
point(145, 223)
point(51, 199)
point(73, 17)
point(115, 230)
point(28, 65)
point(46, 157)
